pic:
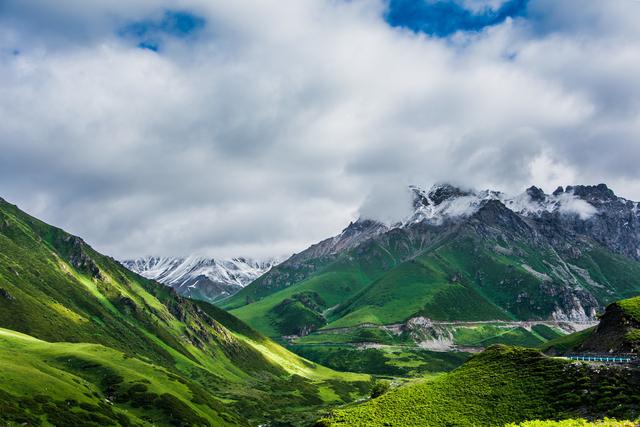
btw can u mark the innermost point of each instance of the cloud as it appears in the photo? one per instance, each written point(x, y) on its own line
point(387, 203)
point(264, 127)
point(570, 204)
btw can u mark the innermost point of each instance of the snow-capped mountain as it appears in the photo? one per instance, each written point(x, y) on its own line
point(200, 277)
point(559, 256)
point(590, 210)
point(444, 202)
point(593, 210)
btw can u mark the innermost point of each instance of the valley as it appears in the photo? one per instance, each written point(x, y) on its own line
point(379, 325)
point(320, 213)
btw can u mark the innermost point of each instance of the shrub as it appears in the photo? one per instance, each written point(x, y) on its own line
point(380, 388)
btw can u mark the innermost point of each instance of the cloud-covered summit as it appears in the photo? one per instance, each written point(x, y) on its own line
point(260, 127)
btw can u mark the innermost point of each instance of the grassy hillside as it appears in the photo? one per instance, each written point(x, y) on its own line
point(75, 384)
point(631, 308)
point(394, 361)
point(502, 385)
point(467, 278)
point(566, 344)
point(336, 274)
point(55, 288)
point(580, 422)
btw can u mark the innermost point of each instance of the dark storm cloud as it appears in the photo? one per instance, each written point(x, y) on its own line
point(256, 128)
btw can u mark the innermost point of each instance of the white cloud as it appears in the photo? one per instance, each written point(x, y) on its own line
point(388, 203)
point(267, 131)
point(570, 204)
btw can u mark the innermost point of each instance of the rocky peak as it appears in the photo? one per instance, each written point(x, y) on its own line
point(536, 194)
point(358, 227)
point(420, 197)
point(593, 193)
point(442, 192)
point(494, 213)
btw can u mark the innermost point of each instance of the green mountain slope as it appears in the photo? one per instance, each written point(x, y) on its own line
point(55, 288)
point(75, 384)
point(492, 266)
point(579, 422)
point(502, 385)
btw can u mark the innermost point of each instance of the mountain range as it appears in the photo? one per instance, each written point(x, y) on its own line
point(461, 255)
point(199, 277)
point(85, 341)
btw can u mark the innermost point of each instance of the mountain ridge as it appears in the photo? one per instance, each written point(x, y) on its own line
point(77, 317)
point(200, 277)
point(535, 256)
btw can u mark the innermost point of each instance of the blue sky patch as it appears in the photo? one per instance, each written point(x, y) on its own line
point(149, 33)
point(442, 18)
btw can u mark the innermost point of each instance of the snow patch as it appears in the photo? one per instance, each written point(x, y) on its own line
point(564, 203)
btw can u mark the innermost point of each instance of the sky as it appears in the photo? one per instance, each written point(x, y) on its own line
point(255, 128)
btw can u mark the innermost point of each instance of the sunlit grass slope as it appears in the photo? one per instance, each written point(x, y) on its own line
point(580, 422)
point(56, 288)
point(78, 384)
point(502, 385)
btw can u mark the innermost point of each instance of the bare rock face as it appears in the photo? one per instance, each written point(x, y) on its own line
point(536, 194)
point(79, 258)
point(428, 335)
point(616, 223)
point(6, 295)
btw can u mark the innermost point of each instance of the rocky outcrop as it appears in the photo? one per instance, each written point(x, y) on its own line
point(6, 295)
point(77, 254)
point(428, 335)
point(617, 332)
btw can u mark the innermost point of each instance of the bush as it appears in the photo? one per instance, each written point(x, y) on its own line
point(380, 388)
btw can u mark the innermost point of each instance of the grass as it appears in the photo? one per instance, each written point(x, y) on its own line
point(631, 308)
point(86, 375)
point(331, 287)
point(499, 386)
point(567, 343)
point(546, 332)
point(397, 354)
point(580, 422)
point(393, 361)
point(486, 335)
